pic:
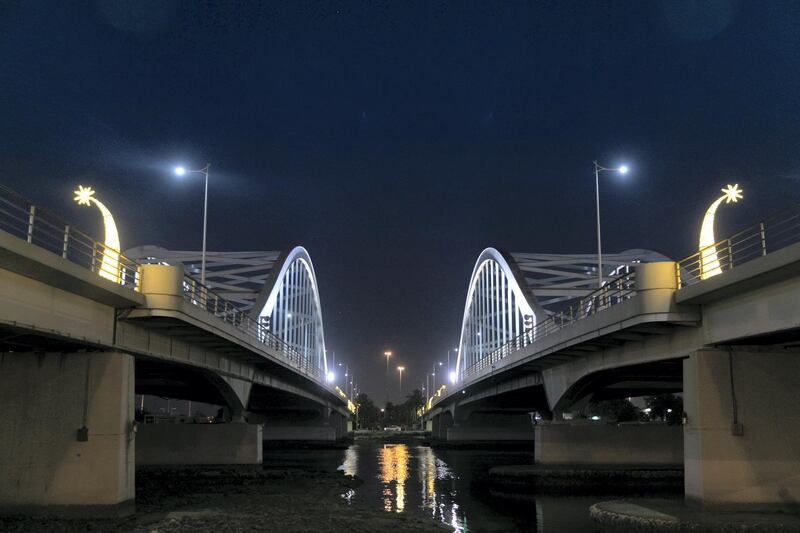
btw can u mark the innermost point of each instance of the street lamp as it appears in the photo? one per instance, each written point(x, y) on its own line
point(597, 170)
point(434, 374)
point(181, 171)
point(386, 376)
point(400, 369)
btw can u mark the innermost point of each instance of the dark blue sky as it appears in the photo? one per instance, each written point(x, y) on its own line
point(396, 140)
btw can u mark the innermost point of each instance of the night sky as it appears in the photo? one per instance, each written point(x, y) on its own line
point(396, 140)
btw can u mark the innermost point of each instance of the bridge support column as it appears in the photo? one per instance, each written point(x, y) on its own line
point(604, 444)
point(67, 438)
point(743, 428)
point(235, 443)
point(440, 424)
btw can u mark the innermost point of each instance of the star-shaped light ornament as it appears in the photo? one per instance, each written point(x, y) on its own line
point(732, 193)
point(83, 195)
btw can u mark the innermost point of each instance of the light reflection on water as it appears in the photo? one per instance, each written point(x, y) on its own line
point(395, 463)
point(406, 478)
point(393, 460)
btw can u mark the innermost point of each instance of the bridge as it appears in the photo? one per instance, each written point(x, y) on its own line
point(84, 327)
point(722, 327)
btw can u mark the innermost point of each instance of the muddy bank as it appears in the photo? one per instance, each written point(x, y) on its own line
point(242, 500)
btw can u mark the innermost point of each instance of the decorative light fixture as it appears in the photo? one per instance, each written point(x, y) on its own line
point(109, 262)
point(709, 260)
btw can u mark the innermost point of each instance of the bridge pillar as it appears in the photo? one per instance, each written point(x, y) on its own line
point(742, 427)
point(67, 438)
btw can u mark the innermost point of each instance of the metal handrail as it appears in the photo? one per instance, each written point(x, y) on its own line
point(612, 293)
point(200, 295)
point(773, 233)
point(23, 219)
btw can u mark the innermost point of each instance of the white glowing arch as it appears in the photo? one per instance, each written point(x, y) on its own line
point(256, 282)
point(494, 285)
point(509, 294)
point(290, 305)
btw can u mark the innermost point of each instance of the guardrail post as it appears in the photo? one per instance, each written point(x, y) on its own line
point(65, 246)
point(31, 218)
point(763, 238)
point(94, 257)
point(730, 254)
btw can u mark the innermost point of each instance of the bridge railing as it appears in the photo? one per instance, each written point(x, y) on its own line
point(23, 219)
point(773, 233)
point(612, 293)
point(201, 296)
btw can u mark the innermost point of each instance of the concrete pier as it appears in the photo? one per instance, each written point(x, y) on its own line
point(67, 443)
point(236, 443)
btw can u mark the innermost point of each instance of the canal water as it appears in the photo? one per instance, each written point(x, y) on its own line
point(445, 485)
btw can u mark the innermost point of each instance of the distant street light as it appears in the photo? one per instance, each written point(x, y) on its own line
point(400, 369)
point(597, 170)
point(434, 375)
point(181, 171)
point(386, 376)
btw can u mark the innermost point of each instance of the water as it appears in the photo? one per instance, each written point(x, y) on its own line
point(445, 485)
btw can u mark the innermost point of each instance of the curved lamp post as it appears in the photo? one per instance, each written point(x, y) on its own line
point(109, 263)
point(709, 260)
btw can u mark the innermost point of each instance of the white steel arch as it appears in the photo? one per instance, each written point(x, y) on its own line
point(278, 288)
point(509, 294)
point(499, 308)
point(290, 307)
